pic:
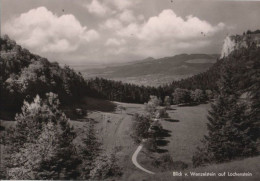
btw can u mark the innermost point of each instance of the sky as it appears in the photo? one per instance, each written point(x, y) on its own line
point(81, 32)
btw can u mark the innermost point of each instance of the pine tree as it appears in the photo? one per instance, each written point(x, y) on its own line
point(229, 136)
point(90, 151)
point(40, 146)
point(252, 75)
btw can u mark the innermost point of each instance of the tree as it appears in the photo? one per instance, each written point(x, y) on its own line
point(198, 96)
point(152, 105)
point(229, 129)
point(89, 152)
point(181, 96)
point(29, 157)
point(40, 146)
point(251, 76)
point(209, 94)
point(167, 102)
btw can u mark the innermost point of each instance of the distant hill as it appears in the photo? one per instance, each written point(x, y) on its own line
point(155, 72)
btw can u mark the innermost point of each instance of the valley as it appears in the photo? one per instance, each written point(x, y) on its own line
point(154, 72)
point(112, 130)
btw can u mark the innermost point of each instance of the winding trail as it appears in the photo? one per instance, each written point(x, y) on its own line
point(134, 160)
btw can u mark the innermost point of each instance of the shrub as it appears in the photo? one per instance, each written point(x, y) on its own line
point(165, 162)
point(161, 113)
point(105, 166)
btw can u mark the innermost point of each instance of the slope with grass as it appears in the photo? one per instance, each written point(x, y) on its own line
point(114, 131)
point(188, 125)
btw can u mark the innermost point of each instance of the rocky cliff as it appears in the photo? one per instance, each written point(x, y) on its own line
point(238, 41)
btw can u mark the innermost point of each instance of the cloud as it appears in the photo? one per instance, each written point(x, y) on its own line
point(112, 23)
point(168, 25)
point(127, 16)
point(41, 30)
point(95, 7)
point(123, 4)
point(168, 33)
point(115, 42)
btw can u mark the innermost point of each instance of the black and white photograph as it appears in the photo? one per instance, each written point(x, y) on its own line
point(130, 90)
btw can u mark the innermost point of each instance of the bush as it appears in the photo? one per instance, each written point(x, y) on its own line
point(105, 166)
point(198, 96)
point(165, 162)
point(161, 113)
point(150, 144)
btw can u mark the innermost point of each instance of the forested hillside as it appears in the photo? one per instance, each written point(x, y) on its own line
point(24, 75)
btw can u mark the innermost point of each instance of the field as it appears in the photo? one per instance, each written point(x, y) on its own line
point(188, 125)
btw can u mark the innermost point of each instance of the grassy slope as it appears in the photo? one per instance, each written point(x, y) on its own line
point(114, 131)
point(187, 131)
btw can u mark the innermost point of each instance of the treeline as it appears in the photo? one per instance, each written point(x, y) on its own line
point(122, 92)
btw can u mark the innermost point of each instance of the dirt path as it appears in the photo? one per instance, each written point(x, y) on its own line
point(119, 124)
point(134, 160)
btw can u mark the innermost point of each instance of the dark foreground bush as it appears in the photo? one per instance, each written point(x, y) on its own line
point(166, 163)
